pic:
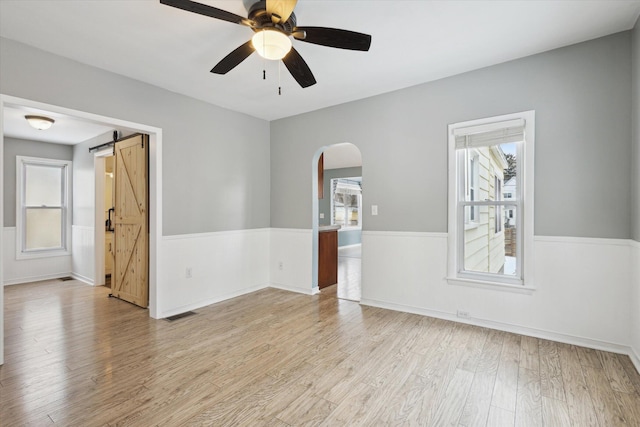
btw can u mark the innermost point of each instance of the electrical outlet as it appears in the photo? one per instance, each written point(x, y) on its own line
point(321, 215)
point(188, 272)
point(280, 265)
point(463, 314)
point(374, 209)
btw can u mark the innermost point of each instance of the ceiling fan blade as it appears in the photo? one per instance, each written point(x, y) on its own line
point(230, 61)
point(280, 10)
point(213, 12)
point(299, 69)
point(333, 37)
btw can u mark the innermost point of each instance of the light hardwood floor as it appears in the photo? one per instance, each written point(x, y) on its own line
point(76, 357)
point(349, 274)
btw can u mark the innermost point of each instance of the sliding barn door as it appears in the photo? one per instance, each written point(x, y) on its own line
point(130, 280)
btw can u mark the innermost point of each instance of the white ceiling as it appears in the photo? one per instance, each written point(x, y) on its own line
point(66, 129)
point(412, 42)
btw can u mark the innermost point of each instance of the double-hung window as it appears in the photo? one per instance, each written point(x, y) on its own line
point(486, 246)
point(43, 219)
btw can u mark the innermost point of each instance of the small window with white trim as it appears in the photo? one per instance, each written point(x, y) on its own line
point(346, 202)
point(43, 218)
point(491, 200)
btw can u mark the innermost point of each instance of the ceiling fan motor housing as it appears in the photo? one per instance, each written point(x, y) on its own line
point(258, 14)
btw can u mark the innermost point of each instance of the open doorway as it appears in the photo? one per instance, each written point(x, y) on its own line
point(340, 211)
point(84, 249)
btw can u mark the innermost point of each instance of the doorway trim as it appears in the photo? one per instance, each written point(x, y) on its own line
point(155, 192)
point(315, 216)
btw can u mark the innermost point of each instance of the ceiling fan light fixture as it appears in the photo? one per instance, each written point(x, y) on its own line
point(271, 44)
point(40, 122)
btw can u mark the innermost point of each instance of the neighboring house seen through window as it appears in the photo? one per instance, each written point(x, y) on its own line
point(346, 202)
point(490, 210)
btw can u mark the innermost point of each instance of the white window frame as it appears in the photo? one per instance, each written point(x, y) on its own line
point(333, 207)
point(472, 179)
point(498, 226)
point(524, 205)
point(65, 249)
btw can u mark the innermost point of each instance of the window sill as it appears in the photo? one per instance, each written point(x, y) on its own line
point(494, 286)
point(41, 254)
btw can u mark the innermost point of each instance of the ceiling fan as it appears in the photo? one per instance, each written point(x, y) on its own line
point(273, 22)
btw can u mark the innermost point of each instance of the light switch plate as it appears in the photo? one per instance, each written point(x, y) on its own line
point(374, 209)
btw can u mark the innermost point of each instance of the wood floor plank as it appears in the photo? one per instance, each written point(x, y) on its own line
point(631, 371)
point(449, 407)
point(576, 391)
point(555, 413)
point(615, 372)
point(478, 404)
point(499, 417)
point(77, 358)
point(629, 404)
point(604, 401)
point(529, 354)
point(506, 386)
point(529, 399)
point(550, 371)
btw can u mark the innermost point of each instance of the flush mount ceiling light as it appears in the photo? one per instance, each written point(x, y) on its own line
point(271, 44)
point(40, 122)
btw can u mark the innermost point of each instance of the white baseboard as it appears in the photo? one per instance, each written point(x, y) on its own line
point(84, 279)
point(516, 329)
point(29, 279)
point(635, 358)
point(296, 289)
point(204, 303)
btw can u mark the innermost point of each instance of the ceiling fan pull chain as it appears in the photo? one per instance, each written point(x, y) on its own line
point(279, 81)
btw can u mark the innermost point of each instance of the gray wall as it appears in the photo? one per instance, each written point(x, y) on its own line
point(636, 131)
point(216, 173)
point(583, 128)
point(21, 147)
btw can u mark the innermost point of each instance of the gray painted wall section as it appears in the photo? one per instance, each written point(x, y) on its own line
point(216, 173)
point(583, 127)
point(636, 131)
point(349, 237)
point(21, 147)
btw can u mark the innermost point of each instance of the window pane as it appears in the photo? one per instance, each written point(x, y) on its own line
point(486, 251)
point(43, 228)
point(509, 184)
point(43, 185)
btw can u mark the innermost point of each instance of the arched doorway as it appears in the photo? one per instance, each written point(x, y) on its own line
point(337, 220)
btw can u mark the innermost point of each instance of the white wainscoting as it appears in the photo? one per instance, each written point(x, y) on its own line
point(582, 295)
point(223, 265)
point(83, 257)
point(291, 249)
point(29, 270)
point(635, 304)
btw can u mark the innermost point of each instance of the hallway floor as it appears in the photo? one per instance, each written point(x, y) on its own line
point(349, 274)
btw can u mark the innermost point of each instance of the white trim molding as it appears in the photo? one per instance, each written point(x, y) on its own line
point(407, 271)
point(17, 271)
point(290, 260)
point(205, 268)
point(516, 329)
